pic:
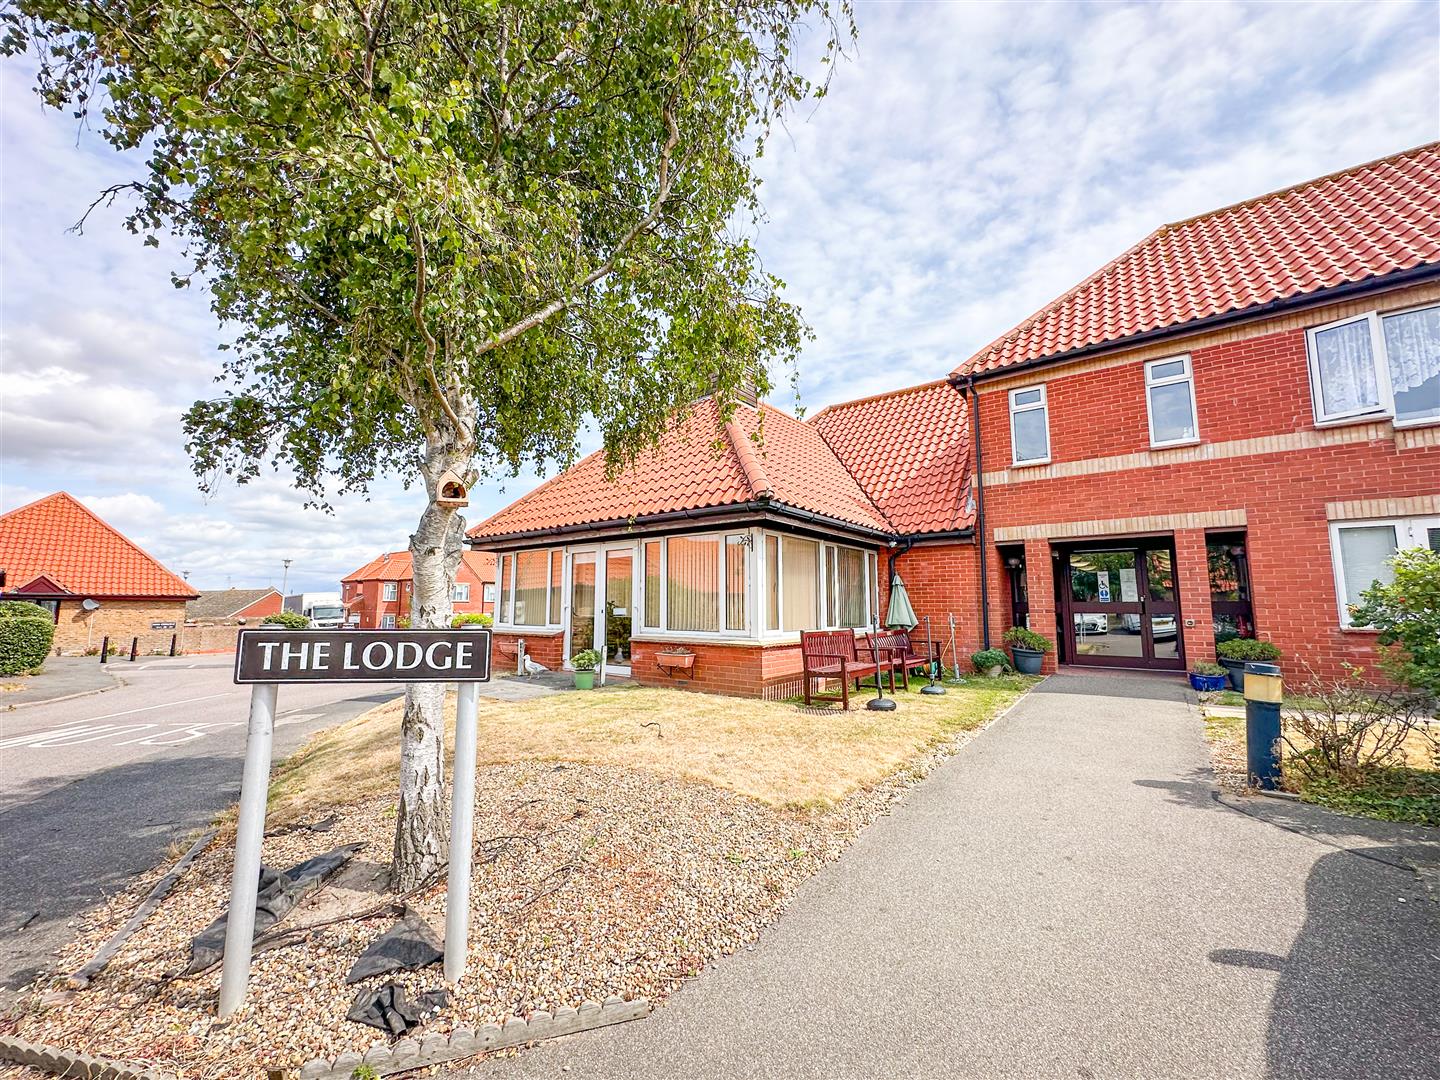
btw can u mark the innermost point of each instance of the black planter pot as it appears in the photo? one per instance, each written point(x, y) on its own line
point(1027, 661)
point(1236, 670)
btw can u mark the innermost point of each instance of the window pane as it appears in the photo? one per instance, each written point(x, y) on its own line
point(532, 587)
point(1032, 441)
point(849, 604)
point(1226, 559)
point(735, 552)
point(505, 563)
point(693, 592)
point(557, 584)
point(1167, 370)
point(772, 582)
point(1159, 575)
point(1027, 397)
point(1347, 370)
point(1170, 412)
point(1364, 558)
point(800, 565)
point(1412, 347)
point(652, 583)
point(828, 553)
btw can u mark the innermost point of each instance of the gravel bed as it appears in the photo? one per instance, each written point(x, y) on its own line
point(588, 881)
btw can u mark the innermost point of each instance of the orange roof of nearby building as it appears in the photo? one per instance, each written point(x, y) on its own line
point(700, 462)
point(59, 539)
point(1365, 222)
point(910, 451)
point(396, 566)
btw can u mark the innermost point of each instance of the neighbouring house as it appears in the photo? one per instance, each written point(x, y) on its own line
point(377, 596)
point(233, 607)
point(1225, 431)
point(57, 553)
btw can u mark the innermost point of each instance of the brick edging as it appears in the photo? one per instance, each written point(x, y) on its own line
point(71, 1064)
point(467, 1042)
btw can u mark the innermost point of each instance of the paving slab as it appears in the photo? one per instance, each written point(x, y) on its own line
point(1068, 897)
point(63, 677)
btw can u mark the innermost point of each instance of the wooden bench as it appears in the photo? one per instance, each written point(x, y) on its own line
point(832, 654)
point(904, 653)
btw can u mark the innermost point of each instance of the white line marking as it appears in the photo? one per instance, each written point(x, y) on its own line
point(166, 705)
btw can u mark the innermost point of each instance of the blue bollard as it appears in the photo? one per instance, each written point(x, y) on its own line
point(1263, 692)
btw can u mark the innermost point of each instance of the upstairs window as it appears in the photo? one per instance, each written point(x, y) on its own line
point(392, 589)
point(460, 594)
point(1376, 365)
point(1170, 401)
point(1029, 427)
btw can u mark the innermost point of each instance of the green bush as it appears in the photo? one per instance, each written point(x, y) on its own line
point(1020, 638)
point(986, 659)
point(26, 633)
point(1248, 649)
point(1204, 667)
point(1406, 611)
point(585, 661)
point(291, 620)
point(471, 618)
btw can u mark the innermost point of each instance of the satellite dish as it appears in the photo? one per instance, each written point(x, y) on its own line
point(89, 605)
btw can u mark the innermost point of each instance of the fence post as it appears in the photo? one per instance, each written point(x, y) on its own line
point(105, 649)
point(173, 639)
point(134, 648)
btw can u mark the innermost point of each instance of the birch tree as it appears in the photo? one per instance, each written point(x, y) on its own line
point(443, 235)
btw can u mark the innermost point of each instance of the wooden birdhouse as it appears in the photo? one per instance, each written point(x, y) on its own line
point(452, 491)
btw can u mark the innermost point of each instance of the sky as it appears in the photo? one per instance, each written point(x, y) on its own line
point(970, 163)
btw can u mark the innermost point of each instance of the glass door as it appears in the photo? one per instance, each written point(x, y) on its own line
point(580, 626)
point(619, 608)
point(1121, 608)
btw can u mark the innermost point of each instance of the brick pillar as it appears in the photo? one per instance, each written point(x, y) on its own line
point(1192, 573)
point(1040, 580)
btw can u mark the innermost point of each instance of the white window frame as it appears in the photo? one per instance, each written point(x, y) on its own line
point(723, 542)
point(487, 593)
point(1410, 532)
point(1186, 376)
point(387, 622)
point(1043, 405)
point(1378, 358)
point(460, 594)
point(822, 585)
point(508, 563)
point(389, 591)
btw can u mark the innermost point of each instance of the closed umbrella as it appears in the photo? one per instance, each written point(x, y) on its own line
point(901, 615)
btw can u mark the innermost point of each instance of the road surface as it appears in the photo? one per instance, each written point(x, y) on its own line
point(94, 789)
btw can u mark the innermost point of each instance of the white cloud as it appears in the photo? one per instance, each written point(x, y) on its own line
point(970, 163)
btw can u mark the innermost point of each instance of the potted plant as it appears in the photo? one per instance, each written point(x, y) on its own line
point(1237, 652)
point(990, 661)
point(1207, 677)
point(1028, 648)
point(584, 664)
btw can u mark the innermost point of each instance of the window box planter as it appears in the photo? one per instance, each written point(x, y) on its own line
point(675, 663)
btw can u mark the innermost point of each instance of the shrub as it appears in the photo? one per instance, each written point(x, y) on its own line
point(1248, 649)
point(585, 661)
point(1204, 667)
point(1020, 638)
point(471, 618)
point(1406, 611)
point(26, 633)
point(402, 623)
point(986, 659)
point(291, 620)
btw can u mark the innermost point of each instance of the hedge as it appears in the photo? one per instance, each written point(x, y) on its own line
point(26, 633)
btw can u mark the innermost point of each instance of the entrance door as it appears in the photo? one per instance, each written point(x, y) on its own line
point(1120, 605)
point(619, 606)
point(580, 627)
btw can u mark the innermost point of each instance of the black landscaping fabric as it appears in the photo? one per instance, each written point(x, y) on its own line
point(389, 1010)
point(279, 892)
point(409, 944)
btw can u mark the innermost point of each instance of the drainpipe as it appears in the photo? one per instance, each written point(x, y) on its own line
point(904, 545)
point(979, 511)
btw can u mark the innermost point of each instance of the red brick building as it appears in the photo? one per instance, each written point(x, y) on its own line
point(57, 553)
point(377, 596)
point(1224, 431)
point(233, 607)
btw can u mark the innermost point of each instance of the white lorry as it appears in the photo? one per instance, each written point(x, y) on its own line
point(323, 609)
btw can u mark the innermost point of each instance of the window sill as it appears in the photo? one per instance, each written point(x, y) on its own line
point(1176, 444)
point(1424, 421)
point(1351, 421)
point(542, 630)
point(1359, 630)
point(1029, 464)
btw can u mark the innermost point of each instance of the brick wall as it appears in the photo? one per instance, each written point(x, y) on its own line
point(78, 630)
point(544, 648)
point(1262, 461)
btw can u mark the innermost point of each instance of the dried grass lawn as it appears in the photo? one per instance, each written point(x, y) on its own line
point(774, 752)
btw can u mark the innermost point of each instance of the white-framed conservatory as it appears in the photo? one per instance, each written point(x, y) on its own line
point(736, 585)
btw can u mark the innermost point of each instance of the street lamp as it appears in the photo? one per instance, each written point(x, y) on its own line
point(285, 580)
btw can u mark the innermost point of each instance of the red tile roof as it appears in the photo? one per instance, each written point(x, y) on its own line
point(699, 463)
point(910, 451)
point(396, 566)
point(1364, 222)
point(58, 538)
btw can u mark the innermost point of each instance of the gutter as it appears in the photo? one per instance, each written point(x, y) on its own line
point(978, 472)
point(1384, 283)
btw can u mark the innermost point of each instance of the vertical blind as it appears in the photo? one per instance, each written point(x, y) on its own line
point(532, 581)
point(557, 577)
point(652, 583)
point(735, 552)
point(504, 609)
point(692, 585)
point(800, 581)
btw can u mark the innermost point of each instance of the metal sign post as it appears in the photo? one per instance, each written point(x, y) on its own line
point(265, 659)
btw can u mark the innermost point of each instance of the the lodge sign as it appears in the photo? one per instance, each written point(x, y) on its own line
point(276, 656)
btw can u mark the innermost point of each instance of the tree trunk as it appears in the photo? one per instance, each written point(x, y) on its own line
point(435, 550)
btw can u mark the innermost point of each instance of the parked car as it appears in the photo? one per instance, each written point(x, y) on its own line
point(1161, 626)
point(1092, 622)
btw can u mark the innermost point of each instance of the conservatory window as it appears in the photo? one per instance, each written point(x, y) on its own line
point(692, 585)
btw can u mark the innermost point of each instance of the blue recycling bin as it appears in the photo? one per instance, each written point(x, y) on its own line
point(1264, 690)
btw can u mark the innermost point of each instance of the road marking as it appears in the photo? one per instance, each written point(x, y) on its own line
point(186, 734)
point(166, 705)
point(73, 736)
